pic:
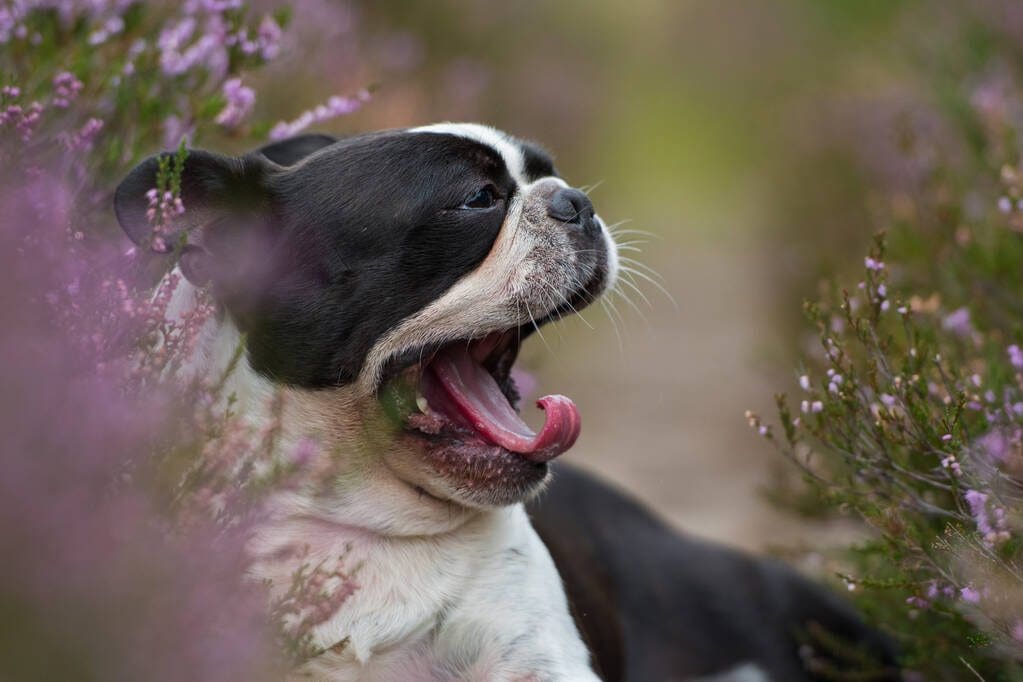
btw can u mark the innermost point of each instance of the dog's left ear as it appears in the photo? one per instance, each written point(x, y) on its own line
point(226, 224)
point(292, 150)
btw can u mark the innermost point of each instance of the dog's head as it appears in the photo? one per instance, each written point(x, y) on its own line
point(386, 281)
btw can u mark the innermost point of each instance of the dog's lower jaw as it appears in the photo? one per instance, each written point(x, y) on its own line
point(483, 602)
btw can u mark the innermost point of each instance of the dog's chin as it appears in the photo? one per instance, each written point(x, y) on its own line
point(472, 474)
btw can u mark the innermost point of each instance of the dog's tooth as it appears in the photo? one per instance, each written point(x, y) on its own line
point(421, 403)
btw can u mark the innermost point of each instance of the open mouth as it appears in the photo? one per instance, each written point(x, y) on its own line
point(459, 402)
point(466, 390)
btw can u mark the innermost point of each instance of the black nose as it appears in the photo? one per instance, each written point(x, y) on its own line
point(569, 205)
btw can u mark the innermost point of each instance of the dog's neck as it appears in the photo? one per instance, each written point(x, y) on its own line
point(442, 591)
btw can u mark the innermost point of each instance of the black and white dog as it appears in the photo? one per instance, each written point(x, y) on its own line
point(383, 284)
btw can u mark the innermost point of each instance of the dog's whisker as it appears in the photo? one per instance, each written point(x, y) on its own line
point(608, 306)
point(660, 287)
point(565, 301)
point(628, 281)
point(632, 242)
point(632, 304)
point(642, 266)
point(637, 232)
point(537, 328)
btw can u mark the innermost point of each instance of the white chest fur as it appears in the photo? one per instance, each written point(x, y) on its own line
point(483, 602)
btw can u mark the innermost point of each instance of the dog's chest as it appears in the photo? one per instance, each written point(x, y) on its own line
point(482, 603)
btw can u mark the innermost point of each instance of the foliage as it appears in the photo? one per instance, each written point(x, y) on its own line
point(909, 411)
point(127, 498)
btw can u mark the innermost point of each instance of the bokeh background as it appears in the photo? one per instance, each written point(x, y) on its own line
point(748, 149)
point(743, 135)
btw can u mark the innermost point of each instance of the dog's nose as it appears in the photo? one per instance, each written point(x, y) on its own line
point(572, 206)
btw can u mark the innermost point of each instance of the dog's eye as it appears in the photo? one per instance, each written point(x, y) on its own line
point(484, 197)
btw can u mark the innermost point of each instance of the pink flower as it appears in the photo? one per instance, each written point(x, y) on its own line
point(65, 89)
point(269, 38)
point(958, 322)
point(1015, 356)
point(334, 107)
point(969, 595)
point(240, 100)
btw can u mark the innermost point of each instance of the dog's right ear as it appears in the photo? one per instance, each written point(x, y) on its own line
point(227, 206)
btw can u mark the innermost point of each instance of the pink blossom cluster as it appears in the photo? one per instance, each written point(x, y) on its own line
point(203, 37)
point(335, 106)
point(65, 89)
point(240, 100)
point(164, 208)
point(14, 14)
point(990, 519)
point(82, 139)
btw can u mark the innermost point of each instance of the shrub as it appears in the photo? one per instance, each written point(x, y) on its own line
point(909, 411)
point(126, 499)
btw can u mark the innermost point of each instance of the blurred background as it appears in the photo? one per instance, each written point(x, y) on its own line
point(748, 151)
point(740, 134)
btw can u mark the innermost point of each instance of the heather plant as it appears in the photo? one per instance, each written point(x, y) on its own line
point(908, 409)
point(130, 485)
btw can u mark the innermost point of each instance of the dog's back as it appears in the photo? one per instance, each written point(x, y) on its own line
point(655, 605)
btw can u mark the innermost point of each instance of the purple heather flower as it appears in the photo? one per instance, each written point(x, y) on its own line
point(873, 264)
point(240, 100)
point(993, 531)
point(996, 445)
point(969, 595)
point(334, 107)
point(177, 56)
point(1015, 356)
point(1005, 205)
point(110, 27)
point(918, 602)
point(958, 322)
point(82, 139)
point(269, 38)
point(888, 400)
point(65, 89)
point(804, 382)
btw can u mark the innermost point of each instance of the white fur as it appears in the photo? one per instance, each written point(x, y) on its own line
point(445, 591)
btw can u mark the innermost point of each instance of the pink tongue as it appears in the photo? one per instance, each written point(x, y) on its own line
point(480, 402)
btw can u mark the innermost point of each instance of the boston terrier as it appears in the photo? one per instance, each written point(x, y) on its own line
point(380, 286)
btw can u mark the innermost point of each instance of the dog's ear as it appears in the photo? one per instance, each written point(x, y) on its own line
point(226, 219)
point(292, 150)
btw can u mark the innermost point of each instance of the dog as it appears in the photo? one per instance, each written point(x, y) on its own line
point(381, 285)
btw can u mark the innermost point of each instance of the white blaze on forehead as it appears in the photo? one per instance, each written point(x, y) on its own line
point(493, 138)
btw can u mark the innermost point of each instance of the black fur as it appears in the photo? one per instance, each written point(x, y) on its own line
point(316, 260)
point(537, 161)
point(655, 605)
